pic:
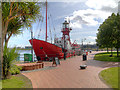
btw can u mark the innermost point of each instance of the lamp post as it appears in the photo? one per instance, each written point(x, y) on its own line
point(82, 43)
point(32, 43)
point(88, 45)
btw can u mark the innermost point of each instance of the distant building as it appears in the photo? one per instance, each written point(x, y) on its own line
point(89, 46)
point(20, 47)
point(28, 47)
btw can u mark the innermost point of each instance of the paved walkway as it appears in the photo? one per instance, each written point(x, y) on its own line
point(69, 74)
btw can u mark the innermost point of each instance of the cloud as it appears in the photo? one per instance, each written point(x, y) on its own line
point(98, 4)
point(92, 37)
point(75, 25)
point(90, 40)
point(109, 9)
point(104, 5)
point(97, 12)
point(87, 17)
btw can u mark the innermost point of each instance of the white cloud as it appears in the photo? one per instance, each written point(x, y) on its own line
point(87, 17)
point(90, 40)
point(92, 37)
point(98, 4)
point(98, 11)
point(75, 25)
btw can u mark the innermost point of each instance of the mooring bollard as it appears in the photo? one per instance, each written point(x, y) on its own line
point(83, 66)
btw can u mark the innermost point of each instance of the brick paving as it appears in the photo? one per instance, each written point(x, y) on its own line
point(69, 74)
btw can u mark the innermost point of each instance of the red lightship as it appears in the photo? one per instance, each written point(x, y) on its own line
point(61, 48)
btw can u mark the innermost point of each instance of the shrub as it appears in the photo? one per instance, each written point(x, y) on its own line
point(15, 69)
point(9, 55)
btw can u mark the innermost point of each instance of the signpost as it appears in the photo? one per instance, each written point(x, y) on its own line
point(56, 61)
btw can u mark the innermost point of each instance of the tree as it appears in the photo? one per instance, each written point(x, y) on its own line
point(116, 32)
point(23, 11)
point(24, 21)
point(104, 36)
point(109, 32)
point(14, 16)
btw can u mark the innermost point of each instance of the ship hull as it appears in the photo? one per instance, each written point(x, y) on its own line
point(45, 50)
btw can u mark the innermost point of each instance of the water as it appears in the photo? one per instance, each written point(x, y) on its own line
point(22, 52)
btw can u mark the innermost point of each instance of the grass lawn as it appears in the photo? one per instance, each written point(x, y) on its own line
point(17, 81)
point(110, 76)
point(0, 85)
point(105, 57)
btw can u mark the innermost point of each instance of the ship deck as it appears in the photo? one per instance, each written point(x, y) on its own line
point(69, 74)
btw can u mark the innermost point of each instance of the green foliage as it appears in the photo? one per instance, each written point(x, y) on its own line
point(111, 76)
point(15, 69)
point(109, 32)
point(14, 26)
point(105, 33)
point(16, 15)
point(28, 11)
point(5, 10)
point(9, 55)
point(105, 57)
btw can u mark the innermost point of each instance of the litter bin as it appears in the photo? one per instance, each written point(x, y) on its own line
point(28, 57)
point(84, 57)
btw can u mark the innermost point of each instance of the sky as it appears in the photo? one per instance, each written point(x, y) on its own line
point(85, 18)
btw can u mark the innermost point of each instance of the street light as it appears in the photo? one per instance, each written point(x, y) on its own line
point(82, 42)
point(87, 45)
point(32, 43)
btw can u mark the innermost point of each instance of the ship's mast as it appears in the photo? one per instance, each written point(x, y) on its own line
point(46, 20)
